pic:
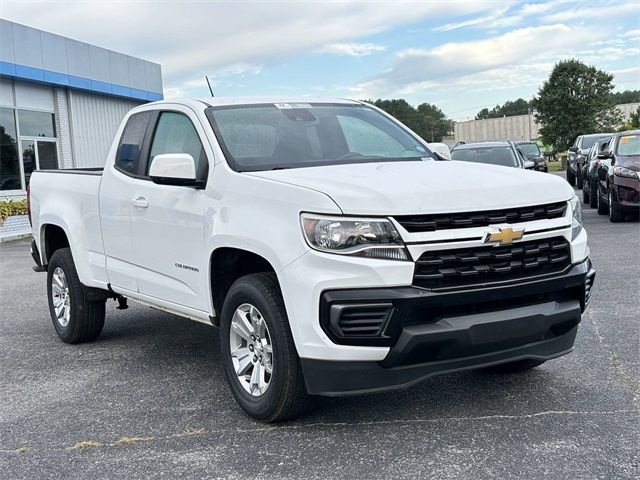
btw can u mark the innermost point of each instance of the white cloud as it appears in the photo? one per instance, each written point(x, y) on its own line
point(452, 61)
point(353, 49)
point(611, 9)
point(627, 78)
point(191, 39)
point(494, 19)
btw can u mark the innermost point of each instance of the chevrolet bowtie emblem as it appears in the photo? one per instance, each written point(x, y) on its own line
point(505, 236)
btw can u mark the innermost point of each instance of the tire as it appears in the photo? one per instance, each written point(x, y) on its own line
point(615, 215)
point(579, 180)
point(571, 178)
point(515, 367)
point(585, 193)
point(600, 205)
point(285, 396)
point(79, 320)
point(593, 197)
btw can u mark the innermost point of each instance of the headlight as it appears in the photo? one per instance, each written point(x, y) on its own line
point(362, 237)
point(576, 220)
point(624, 172)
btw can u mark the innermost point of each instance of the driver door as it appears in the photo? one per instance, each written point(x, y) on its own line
point(168, 221)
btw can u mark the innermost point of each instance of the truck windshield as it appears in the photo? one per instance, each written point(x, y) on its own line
point(294, 135)
point(494, 155)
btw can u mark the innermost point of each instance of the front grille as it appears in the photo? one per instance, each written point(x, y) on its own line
point(362, 320)
point(479, 265)
point(432, 223)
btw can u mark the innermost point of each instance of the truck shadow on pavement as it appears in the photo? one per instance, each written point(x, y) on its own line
point(169, 346)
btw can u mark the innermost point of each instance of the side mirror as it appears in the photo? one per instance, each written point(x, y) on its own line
point(174, 169)
point(573, 149)
point(604, 155)
point(442, 149)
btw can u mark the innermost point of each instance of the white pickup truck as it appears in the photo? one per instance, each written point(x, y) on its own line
point(335, 250)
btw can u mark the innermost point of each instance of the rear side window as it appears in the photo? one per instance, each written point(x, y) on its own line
point(128, 155)
point(176, 134)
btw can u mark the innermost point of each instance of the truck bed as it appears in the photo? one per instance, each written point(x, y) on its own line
point(69, 199)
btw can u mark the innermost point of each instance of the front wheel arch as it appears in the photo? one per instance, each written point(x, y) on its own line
point(228, 264)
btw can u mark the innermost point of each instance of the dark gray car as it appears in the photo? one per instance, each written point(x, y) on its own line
point(505, 153)
point(577, 156)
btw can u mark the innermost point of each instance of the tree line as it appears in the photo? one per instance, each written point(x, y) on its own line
point(576, 99)
point(426, 119)
point(522, 106)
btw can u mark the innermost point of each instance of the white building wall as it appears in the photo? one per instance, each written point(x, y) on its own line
point(63, 129)
point(94, 121)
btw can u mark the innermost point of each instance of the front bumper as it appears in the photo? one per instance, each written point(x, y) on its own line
point(431, 333)
point(627, 192)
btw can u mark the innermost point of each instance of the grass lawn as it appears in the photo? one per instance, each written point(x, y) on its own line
point(554, 166)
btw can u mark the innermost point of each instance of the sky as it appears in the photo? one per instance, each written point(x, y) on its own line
point(461, 55)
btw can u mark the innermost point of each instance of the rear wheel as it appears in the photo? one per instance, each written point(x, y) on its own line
point(615, 214)
point(571, 178)
point(514, 367)
point(260, 359)
point(75, 318)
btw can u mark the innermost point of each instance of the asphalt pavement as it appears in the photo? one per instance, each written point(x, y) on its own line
point(149, 399)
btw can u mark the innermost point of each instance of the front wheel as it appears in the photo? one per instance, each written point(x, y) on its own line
point(585, 192)
point(260, 359)
point(75, 318)
point(600, 205)
point(593, 200)
point(571, 177)
point(615, 215)
point(579, 180)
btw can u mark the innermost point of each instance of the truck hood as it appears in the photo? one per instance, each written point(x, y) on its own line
point(402, 188)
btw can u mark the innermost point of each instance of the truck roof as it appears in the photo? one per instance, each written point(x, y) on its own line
point(227, 101)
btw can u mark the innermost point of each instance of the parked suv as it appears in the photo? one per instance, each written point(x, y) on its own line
point(619, 178)
point(532, 151)
point(577, 154)
point(590, 171)
point(503, 153)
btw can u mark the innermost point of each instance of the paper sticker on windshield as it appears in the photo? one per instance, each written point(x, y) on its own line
point(626, 138)
point(284, 106)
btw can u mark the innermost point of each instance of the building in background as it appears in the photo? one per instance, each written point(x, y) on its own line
point(516, 127)
point(61, 102)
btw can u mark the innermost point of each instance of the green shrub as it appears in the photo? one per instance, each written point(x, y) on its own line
point(9, 208)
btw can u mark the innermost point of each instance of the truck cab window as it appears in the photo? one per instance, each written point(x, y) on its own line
point(176, 134)
point(128, 155)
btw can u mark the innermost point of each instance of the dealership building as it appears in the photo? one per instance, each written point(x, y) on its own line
point(61, 101)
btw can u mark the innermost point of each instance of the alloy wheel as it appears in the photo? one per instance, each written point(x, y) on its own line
point(251, 349)
point(61, 297)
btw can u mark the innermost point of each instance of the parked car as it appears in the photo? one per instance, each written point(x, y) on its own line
point(577, 154)
point(619, 177)
point(532, 152)
point(334, 250)
point(503, 153)
point(590, 171)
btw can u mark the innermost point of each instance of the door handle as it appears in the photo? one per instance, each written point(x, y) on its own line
point(139, 202)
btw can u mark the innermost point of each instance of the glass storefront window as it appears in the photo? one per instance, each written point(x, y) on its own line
point(9, 159)
point(36, 124)
point(32, 143)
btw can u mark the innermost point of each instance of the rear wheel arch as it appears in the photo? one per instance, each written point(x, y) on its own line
point(53, 237)
point(226, 265)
